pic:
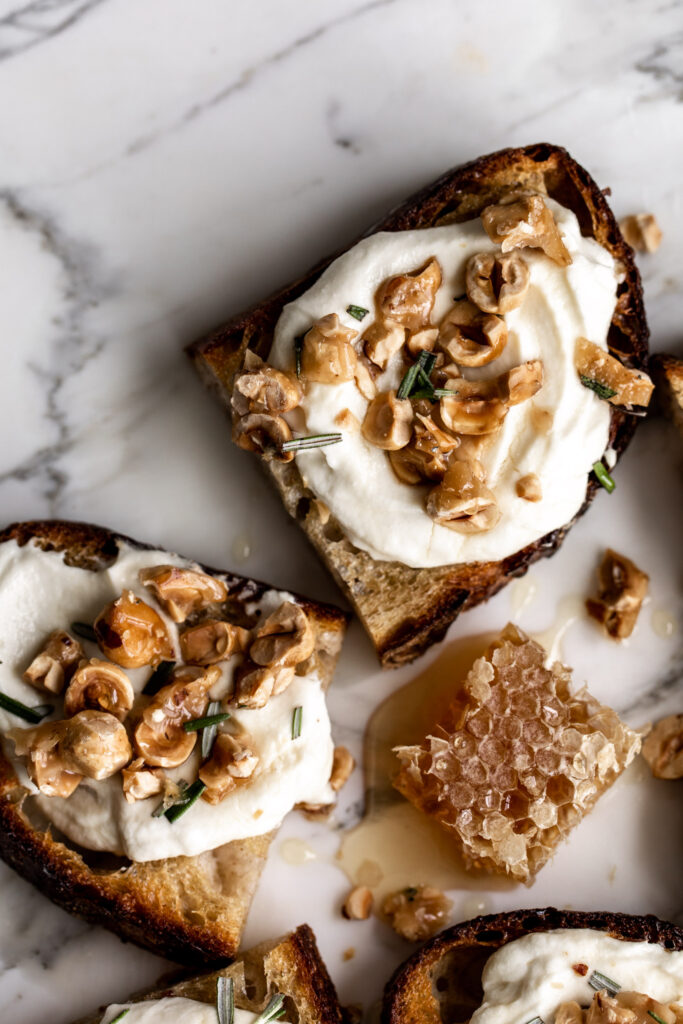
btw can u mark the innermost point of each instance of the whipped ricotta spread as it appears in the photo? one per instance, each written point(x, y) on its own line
point(172, 1010)
point(387, 518)
point(38, 594)
point(532, 976)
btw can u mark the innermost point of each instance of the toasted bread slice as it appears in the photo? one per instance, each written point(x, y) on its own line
point(442, 980)
point(291, 966)
point(667, 373)
point(191, 909)
point(404, 609)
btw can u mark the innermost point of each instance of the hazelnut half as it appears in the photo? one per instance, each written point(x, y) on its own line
point(182, 591)
point(263, 389)
point(131, 633)
point(285, 638)
point(232, 760)
point(100, 686)
point(523, 219)
point(264, 434)
point(327, 355)
point(211, 641)
point(408, 299)
point(95, 744)
point(56, 662)
point(471, 337)
point(496, 283)
point(462, 501)
point(388, 422)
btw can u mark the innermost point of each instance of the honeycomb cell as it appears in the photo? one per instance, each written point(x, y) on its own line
point(509, 789)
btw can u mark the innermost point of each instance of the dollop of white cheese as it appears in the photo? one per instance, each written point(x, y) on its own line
point(39, 593)
point(172, 1010)
point(385, 517)
point(532, 976)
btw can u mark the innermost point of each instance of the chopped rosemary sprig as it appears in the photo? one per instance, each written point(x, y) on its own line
point(298, 349)
point(209, 731)
point(158, 678)
point(600, 981)
point(120, 1016)
point(33, 715)
point(225, 1000)
point(273, 1011)
point(203, 723)
point(304, 444)
point(603, 477)
point(535, 1020)
point(189, 797)
point(297, 719)
point(601, 390)
point(357, 312)
point(656, 1017)
point(84, 630)
point(417, 376)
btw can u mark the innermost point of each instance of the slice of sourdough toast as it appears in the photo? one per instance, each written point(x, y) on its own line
point(667, 373)
point(441, 981)
point(406, 609)
point(191, 909)
point(290, 966)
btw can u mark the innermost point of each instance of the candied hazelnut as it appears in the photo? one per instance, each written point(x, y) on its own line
point(426, 456)
point(345, 420)
point(382, 340)
point(343, 763)
point(471, 337)
point(408, 299)
point(365, 377)
point(423, 340)
point(569, 1013)
point(496, 283)
point(182, 591)
point(256, 684)
point(140, 782)
point(622, 588)
point(358, 904)
point(232, 760)
point(211, 641)
point(663, 748)
point(100, 686)
point(462, 501)
point(519, 220)
point(94, 744)
point(45, 764)
point(264, 434)
point(610, 379)
point(131, 633)
point(285, 638)
point(388, 421)
point(159, 735)
point(475, 407)
point(263, 389)
point(56, 662)
point(529, 487)
point(417, 912)
point(327, 355)
point(521, 382)
point(642, 232)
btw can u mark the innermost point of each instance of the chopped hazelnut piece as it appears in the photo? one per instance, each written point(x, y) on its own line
point(100, 686)
point(416, 913)
point(343, 764)
point(211, 641)
point(264, 434)
point(183, 591)
point(45, 764)
point(256, 684)
point(364, 377)
point(345, 420)
point(159, 735)
point(131, 633)
point(663, 748)
point(263, 389)
point(642, 232)
point(569, 1013)
point(426, 456)
point(474, 408)
point(529, 487)
point(232, 760)
point(470, 337)
point(382, 340)
point(56, 662)
point(496, 283)
point(327, 355)
point(388, 422)
point(408, 299)
point(519, 220)
point(358, 904)
point(521, 382)
point(622, 588)
point(94, 744)
point(423, 340)
point(140, 782)
point(622, 386)
point(462, 501)
point(284, 639)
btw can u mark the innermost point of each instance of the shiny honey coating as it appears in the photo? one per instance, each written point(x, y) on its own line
point(517, 759)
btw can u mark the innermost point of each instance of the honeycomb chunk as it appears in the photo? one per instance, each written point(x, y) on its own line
point(517, 759)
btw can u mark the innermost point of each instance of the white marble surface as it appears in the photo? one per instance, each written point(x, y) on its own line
point(163, 165)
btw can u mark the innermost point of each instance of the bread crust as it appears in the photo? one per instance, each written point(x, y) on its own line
point(403, 609)
point(191, 909)
point(291, 966)
point(442, 980)
point(667, 373)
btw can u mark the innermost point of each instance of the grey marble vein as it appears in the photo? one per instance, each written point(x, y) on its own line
point(72, 348)
point(664, 64)
point(30, 24)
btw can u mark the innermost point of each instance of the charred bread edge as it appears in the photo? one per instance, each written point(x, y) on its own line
point(297, 953)
point(58, 870)
point(409, 996)
point(458, 195)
